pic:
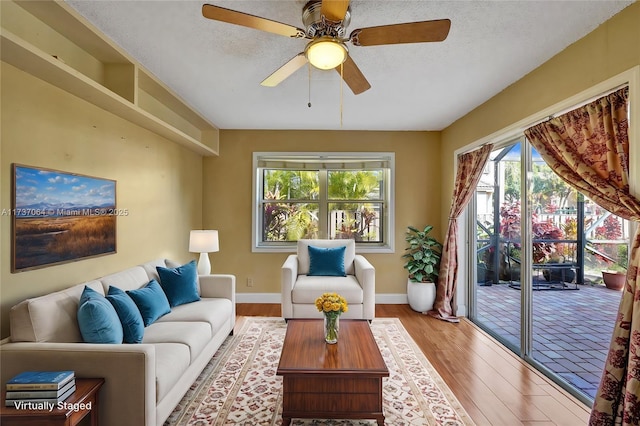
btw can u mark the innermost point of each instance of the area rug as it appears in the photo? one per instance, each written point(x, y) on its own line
point(240, 387)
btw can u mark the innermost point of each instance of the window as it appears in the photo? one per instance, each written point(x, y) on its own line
point(323, 195)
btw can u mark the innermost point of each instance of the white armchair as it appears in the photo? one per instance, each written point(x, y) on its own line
point(300, 291)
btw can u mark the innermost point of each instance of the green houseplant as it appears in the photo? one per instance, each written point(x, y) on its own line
point(423, 256)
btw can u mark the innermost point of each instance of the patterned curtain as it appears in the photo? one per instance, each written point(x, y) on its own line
point(589, 149)
point(470, 166)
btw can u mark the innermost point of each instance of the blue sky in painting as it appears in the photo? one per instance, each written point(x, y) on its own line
point(47, 187)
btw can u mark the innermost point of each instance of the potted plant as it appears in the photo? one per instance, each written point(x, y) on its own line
point(615, 276)
point(423, 263)
point(614, 279)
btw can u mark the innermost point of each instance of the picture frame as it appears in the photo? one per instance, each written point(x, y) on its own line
point(60, 217)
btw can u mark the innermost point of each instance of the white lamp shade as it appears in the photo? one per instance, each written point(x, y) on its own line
point(203, 241)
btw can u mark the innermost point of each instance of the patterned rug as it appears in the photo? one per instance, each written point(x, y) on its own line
point(240, 387)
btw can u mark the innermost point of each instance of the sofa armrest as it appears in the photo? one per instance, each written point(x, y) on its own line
point(222, 286)
point(366, 275)
point(289, 273)
point(124, 367)
point(218, 285)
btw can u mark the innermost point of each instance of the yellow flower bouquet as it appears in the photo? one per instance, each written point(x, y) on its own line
point(331, 305)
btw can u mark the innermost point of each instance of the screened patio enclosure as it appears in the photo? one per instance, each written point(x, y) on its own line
point(573, 239)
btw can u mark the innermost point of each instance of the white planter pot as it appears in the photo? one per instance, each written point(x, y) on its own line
point(421, 295)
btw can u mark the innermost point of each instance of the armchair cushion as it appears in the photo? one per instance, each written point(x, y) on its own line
point(326, 261)
point(304, 262)
point(308, 288)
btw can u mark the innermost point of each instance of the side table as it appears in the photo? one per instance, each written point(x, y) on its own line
point(83, 402)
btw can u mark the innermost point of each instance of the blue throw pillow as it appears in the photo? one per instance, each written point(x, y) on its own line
point(151, 302)
point(98, 320)
point(327, 261)
point(130, 318)
point(180, 284)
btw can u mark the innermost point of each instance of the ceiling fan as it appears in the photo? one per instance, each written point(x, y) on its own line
point(326, 23)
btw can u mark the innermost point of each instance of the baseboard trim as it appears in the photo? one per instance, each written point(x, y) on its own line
point(258, 298)
point(383, 298)
point(392, 299)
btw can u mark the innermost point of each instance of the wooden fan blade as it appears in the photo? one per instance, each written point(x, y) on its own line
point(353, 77)
point(334, 10)
point(279, 75)
point(244, 19)
point(411, 32)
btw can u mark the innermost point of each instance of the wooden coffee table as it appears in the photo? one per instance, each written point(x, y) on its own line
point(322, 381)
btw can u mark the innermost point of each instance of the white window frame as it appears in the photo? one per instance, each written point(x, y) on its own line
point(388, 217)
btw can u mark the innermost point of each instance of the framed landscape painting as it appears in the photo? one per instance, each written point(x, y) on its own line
point(60, 217)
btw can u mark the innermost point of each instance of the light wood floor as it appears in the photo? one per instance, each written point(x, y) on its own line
point(494, 386)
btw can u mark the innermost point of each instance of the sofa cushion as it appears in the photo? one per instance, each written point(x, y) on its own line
point(49, 318)
point(129, 314)
point(215, 312)
point(151, 301)
point(97, 319)
point(195, 335)
point(129, 279)
point(172, 360)
point(309, 288)
point(303, 253)
point(180, 284)
point(326, 261)
point(150, 268)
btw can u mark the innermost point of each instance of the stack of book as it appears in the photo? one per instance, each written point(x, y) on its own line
point(46, 388)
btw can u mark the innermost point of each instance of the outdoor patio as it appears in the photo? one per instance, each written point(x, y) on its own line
point(571, 328)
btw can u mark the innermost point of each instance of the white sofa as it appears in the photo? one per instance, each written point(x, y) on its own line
point(299, 290)
point(143, 382)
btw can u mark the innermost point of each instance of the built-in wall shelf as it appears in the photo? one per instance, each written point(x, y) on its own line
point(51, 41)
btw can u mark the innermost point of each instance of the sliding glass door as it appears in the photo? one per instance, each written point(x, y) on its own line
point(498, 246)
point(538, 250)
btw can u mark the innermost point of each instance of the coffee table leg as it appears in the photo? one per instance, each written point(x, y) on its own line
point(286, 421)
point(380, 421)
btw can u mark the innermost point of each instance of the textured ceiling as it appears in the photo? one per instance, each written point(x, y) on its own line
point(217, 67)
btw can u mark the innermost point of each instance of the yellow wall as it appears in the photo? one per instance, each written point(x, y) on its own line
point(228, 194)
point(169, 190)
point(159, 182)
point(612, 48)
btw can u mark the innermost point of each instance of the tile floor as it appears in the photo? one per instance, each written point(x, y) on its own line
point(572, 328)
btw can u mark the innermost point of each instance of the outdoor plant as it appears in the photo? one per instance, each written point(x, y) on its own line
point(545, 230)
point(611, 257)
point(357, 225)
point(423, 255)
point(614, 276)
point(541, 230)
point(620, 265)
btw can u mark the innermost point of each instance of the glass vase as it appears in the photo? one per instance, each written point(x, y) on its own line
point(331, 327)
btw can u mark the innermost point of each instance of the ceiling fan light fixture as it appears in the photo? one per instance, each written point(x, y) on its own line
point(326, 53)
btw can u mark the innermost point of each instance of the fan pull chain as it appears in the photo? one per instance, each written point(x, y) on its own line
point(309, 104)
point(341, 86)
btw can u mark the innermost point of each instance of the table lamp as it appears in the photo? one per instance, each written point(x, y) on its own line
point(203, 242)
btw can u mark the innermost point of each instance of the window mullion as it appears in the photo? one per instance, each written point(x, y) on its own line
point(323, 205)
